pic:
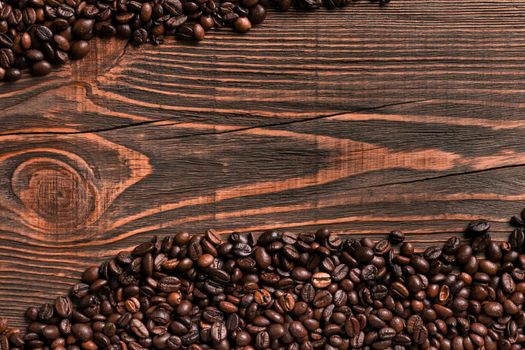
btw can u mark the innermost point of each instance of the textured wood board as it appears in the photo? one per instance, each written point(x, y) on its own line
point(365, 120)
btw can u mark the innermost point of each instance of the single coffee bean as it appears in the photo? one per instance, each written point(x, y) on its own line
point(396, 237)
point(321, 280)
point(41, 68)
point(79, 49)
point(63, 306)
point(82, 331)
point(298, 330)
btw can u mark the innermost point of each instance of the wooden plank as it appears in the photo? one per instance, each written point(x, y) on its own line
point(365, 120)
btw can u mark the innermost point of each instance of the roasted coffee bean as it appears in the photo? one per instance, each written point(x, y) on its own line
point(262, 340)
point(41, 68)
point(60, 31)
point(43, 33)
point(321, 280)
point(382, 247)
point(79, 49)
point(369, 272)
point(493, 309)
point(218, 332)
point(396, 237)
point(322, 299)
point(82, 331)
point(63, 306)
point(478, 227)
point(288, 291)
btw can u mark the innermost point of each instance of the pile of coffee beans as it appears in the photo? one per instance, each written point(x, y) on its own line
point(282, 290)
point(36, 34)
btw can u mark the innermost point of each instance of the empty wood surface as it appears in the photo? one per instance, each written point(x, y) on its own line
point(366, 119)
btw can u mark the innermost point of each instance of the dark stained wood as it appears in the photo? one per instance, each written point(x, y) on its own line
point(364, 120)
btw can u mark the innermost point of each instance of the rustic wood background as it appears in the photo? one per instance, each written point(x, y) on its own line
point(367, 119)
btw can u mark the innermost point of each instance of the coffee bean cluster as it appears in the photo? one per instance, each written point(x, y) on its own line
point(282, 290)
point(37, 34)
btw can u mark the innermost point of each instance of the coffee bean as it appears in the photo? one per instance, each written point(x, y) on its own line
point(138, 328)
point(463, 253)
point(364, 255)
point(321, 280)
point(358, 340)
point(80, 49)
point(51, 332)
point(478, 227)
point(63, 306)
point(406, 249)
point(493, 309)
point(43, 33)
point(432, 253)
point(382, 247)
point(262, 340)
point(420, 335)
point(242, 250)
point(298, 330)
point(262, 297)
point(275, 331)
point(82, 331)
point(169, 284)
point(322, 298)
point(41, 68)
point(287, 302)
point(7, 58)
point(218, 332)
point(352, 327)
point(288, 291)
point(369, 272)
point(507, 283)
point(396, 237)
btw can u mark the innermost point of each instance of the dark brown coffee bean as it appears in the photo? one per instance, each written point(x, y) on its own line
point(420, 335)
point(322, 299)
point(301, 274)
point(493, 309)
point(364, 255)
point(63, 306)
point(262, 340)
point(41, 68)
point(463, 253)
point(287, 302)
point(382, 247)
point(432, 253)
point(43, 33)
point(478, 227)
point(7, 58)
point(414, 322)
point(298, 330)
point(352, 327)
point(396, 237)
point(507, 283)
point(219, 332)
point(369, 272)
point(80, 49)
point(276, 330)
point(400, 290)
point(82, 331)
point(257, 14)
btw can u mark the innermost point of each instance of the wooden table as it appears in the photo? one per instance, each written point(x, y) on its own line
point(368, 119)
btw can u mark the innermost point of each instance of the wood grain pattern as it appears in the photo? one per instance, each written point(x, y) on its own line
point(365, 120)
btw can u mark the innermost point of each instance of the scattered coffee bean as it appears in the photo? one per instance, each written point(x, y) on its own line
point(285, 291)
point(38, 33)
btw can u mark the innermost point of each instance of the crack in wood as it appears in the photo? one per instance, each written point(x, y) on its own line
point(240, 129)
point(442, 176)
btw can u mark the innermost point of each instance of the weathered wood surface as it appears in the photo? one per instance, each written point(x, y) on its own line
point(368, 119)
